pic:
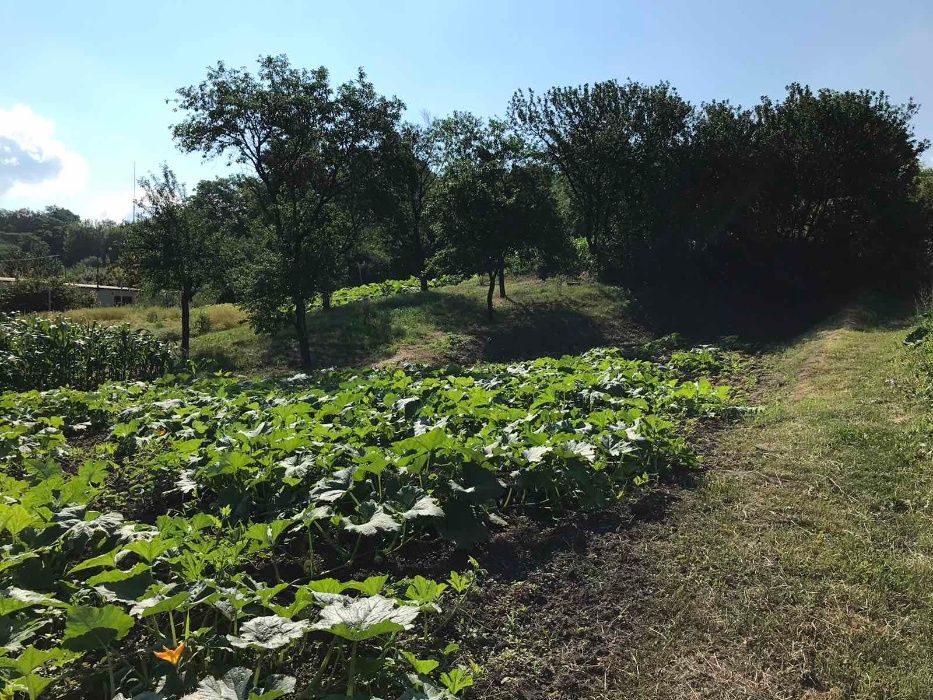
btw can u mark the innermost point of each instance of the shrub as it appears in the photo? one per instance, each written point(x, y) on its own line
point(202, 323)
point(43, 294)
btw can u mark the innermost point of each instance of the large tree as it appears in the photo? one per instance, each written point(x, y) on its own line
point(409, 168)
point(493, 201)
point(174, 245)
point(617, 145)
point(301, 139)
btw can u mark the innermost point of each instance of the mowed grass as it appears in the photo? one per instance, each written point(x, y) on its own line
point(164, 321)
point(803, 565)
point(448, 324)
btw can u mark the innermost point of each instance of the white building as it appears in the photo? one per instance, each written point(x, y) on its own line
point(106, 295)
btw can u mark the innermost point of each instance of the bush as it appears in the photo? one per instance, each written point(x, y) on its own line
point(202, 323)
point(40, 353)
point(38, 294)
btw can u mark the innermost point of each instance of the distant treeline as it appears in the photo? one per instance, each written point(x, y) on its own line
point(55, 241)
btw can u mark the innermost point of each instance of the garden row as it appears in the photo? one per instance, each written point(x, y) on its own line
point(221, 538)
point(41, 353)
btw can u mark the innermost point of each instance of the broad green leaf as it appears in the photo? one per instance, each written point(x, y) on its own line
point(16, 631)
point(150, 549)
point(371, 520)
point(371, 586)
point(333, 487)
point(11, 562)
point(536, 454)
point(13, 599)
point(456, 680)
point(108, 560)
point(425, 507)
point(31, 658)
point(273, 687)
point(365, 618)
point(159, 604)
point(422, 666)
point(32, 684)
point(423, 591)
point(89, 628)
point(269, 632)
point(14, 519)
point(234, 685)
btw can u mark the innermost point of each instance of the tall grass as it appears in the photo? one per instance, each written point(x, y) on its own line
point(40, 353)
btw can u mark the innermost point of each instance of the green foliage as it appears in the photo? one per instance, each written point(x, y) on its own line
point(387, 288)
point(814, 192)
point(178, 245)
point(260, 492)
point(40, 353)
point(618, 145)
point(42, 294)
point(309, 147)
point(492, 201)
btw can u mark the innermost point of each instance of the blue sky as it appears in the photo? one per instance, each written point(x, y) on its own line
point(85, 83)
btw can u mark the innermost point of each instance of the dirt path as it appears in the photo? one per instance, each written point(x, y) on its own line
point(800, 565)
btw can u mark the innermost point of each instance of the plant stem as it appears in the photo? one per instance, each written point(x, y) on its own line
point(171, 622)
point(320, 671)
point(113, 684)
point(351, 671)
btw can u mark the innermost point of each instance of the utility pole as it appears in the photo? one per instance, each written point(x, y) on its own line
point(134, 191)
point(100, 251)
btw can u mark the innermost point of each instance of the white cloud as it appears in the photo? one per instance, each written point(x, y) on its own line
point(34, 165)
point(116, 206)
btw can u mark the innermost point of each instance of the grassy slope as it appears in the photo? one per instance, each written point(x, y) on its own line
point(803, 565)
point(799, 564)
point(447, 324)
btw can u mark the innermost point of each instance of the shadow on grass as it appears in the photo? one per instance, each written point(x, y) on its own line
point(744, 320)
point(540, 319)
point(438, 326)
point(453, 325)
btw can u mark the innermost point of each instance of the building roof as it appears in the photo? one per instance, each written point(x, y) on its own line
point(83, 286)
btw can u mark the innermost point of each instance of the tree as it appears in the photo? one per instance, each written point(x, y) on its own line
point(840, 167)
point(225, 207)
point(617, 145)
point(300, 138)
point(493, 201)
point(172, 246)
point(810, 193)
point(409, 167)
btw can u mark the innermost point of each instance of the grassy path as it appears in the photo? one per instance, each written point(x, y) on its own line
point(803, 565)
point(799, 566)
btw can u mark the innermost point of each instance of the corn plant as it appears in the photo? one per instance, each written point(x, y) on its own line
point(41, 353)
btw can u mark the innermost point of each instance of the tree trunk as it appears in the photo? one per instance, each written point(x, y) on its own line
point(424, 280)
point(185, 323)
point(301, 331)
point(325, 301)
point(489, 292)
point(501, 279)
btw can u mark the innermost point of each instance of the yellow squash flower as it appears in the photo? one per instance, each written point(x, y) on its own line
point(173, 656)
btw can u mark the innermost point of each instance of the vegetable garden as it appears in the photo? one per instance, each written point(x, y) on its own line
point(221, 538)
point(43, 353)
